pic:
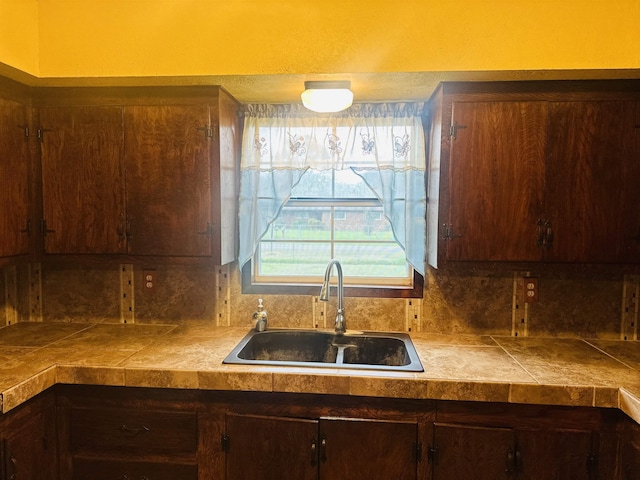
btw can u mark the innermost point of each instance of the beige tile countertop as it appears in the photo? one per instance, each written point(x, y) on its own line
point(556, 371)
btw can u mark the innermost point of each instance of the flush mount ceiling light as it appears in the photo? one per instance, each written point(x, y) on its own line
point(327, 96)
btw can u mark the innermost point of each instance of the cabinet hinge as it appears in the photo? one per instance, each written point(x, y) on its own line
point(418, 452)
point(453, 130)
point(207, 130)
point(208, 231)
point(44, 229)
point(25, 130)
point(225, 442)
point(592, 464)
point(432, 454)
point(448, 232)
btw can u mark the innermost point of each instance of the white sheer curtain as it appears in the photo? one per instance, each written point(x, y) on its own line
point(383, 143)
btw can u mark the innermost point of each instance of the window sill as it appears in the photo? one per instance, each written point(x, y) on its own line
point(248, 286)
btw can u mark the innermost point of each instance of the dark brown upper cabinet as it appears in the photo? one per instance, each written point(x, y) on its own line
point(15, 218)
point(535, 172)
point(140, 173)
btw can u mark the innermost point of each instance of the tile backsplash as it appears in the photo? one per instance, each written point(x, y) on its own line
point(461, 299)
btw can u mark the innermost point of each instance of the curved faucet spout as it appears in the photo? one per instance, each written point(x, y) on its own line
point(341, 323)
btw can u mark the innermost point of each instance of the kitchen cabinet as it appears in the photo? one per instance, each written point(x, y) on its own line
point(259, 447)
point(543, 172)
point(130, 441)
point(462, 452)
point(15, 218)
point(278, 447)
point(29, 441)
point(592, 193)
point(83, 184)
point(631, 451)
point(492, 441)
point(143, 174)
point(165, 433)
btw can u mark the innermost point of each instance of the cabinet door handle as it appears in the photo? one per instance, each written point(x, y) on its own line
point(323, 450)
point(133, 431)
point(314, 453)
point(121, 228)
point(510, 467)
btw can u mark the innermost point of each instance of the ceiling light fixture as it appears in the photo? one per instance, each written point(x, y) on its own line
point(327, 96)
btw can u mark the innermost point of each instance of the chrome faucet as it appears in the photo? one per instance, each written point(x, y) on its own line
point(341, 323)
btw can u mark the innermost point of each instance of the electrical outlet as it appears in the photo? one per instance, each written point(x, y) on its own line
point(530, 289)
point(150, 278)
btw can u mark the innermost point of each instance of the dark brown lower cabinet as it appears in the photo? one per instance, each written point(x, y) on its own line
point(631, 451)
point(464, 452)
point(270, 447)
point(28, 449)
point(101, 469)
point(281, 448)
point(161, 434)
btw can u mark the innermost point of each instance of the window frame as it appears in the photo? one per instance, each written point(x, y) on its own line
point(416, 290)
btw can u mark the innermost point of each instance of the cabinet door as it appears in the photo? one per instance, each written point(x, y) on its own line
point(118, 469)
point(28, 453)
point(360, 449)
point(496, 179)
point(555, 455)
point(592, 193)
point(14, 172)
point(168, 176)
point(82, 180)
point(271, 448)
point(464, 452)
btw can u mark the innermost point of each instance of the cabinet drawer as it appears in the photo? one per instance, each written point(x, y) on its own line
point(133, 431)
point(84, 469)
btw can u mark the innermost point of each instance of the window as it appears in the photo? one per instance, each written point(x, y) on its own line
point(331, 214)
point(349, 187)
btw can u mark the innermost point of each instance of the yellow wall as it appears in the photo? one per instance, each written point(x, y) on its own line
point(19, 34)
point(246, 37)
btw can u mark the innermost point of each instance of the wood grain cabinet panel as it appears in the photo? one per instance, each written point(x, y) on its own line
point(496, 180)
point(261, 448)
point(535, 172)
point(140, 173)
point(123, 431)
point(100, 469)
point(28, 449)
point(15, 219)
point(83, 189)
point(167, 150)
point(264, 448)
point(361, 449)
point(593, 170)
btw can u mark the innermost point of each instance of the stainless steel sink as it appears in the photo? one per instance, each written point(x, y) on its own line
point(312, 348)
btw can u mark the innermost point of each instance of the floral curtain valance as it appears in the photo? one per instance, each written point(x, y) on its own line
point(383, 143)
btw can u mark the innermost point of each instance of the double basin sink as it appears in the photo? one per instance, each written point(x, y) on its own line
point(313, 348)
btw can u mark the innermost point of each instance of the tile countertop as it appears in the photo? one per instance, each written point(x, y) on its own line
point(556, 371)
